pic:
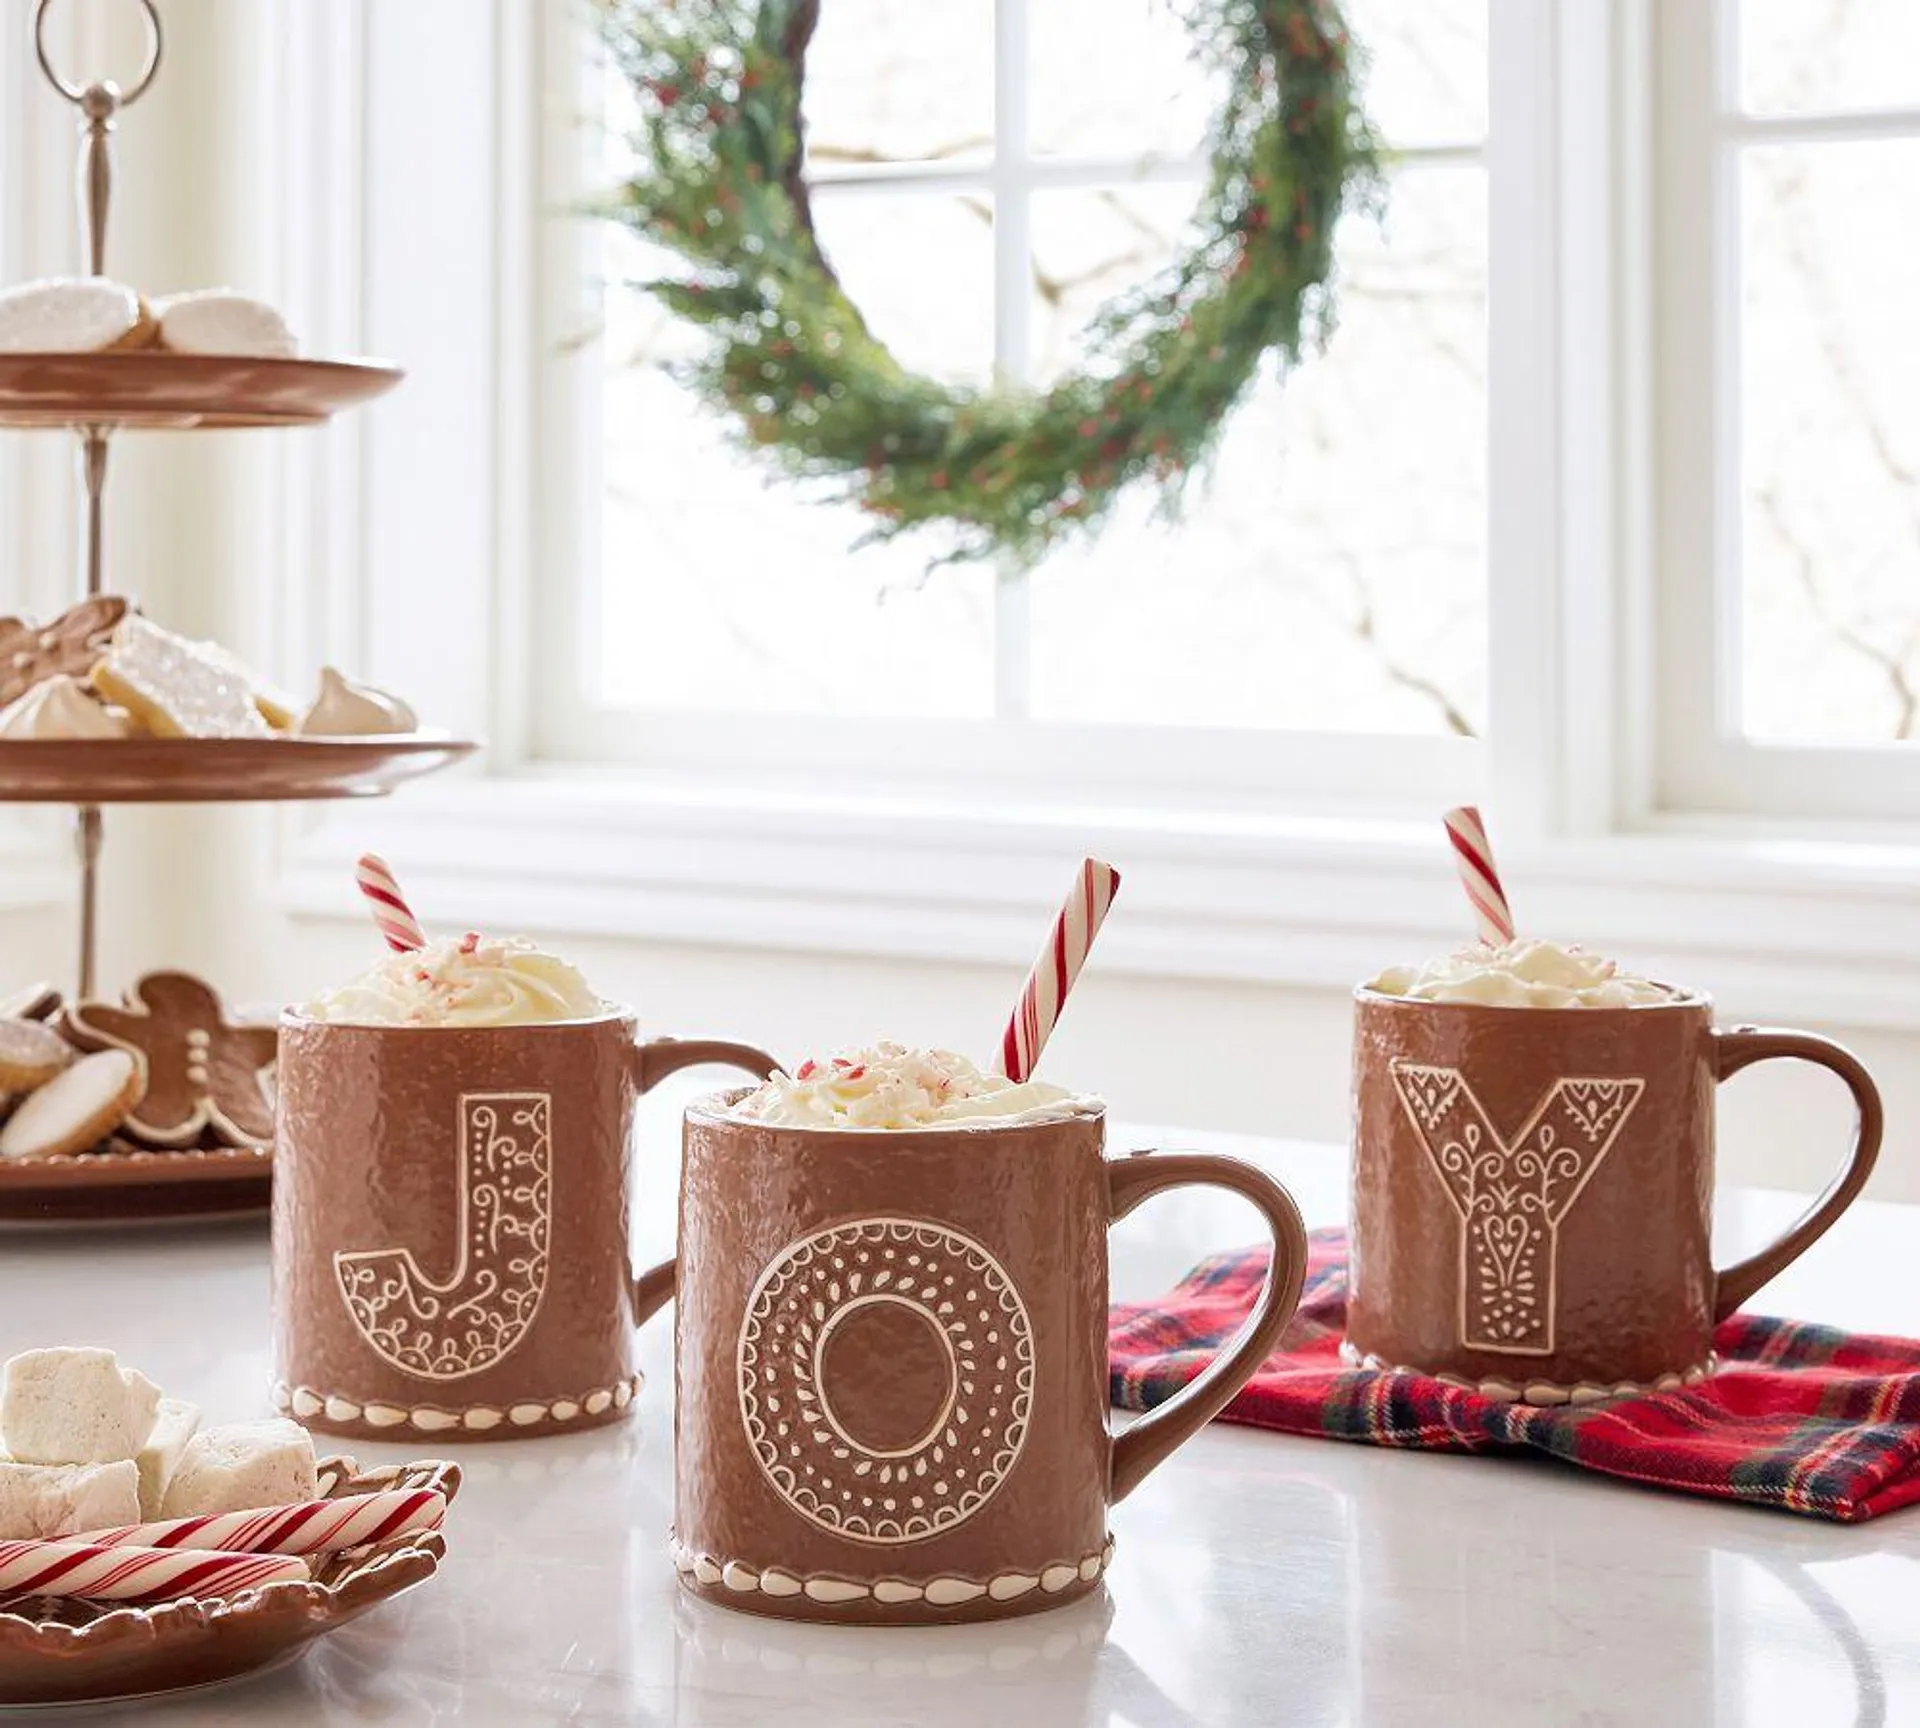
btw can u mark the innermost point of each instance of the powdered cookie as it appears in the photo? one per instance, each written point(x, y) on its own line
point(219, 321)
point(72, 1112)
point(31, 1053)
point(72, 645)
point(202, 1071)
point(175, 688)
point(72, 315)
point(276, 707)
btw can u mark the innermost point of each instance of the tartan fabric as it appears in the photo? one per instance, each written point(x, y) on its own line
point(1806, 1418)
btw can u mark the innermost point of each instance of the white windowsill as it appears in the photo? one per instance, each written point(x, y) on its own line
point(1814, 930)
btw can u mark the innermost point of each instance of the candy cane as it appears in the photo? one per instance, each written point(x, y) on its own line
point(310, 1527)
point(390, 911)
point(1045, 992)
point(1474, 858)
point(129, 1574)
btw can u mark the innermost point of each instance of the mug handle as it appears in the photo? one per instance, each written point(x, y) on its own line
point(653, 1061)
point(1156, 1435)
point(1741, 1048)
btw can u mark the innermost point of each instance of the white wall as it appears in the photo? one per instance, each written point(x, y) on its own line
point(197, 888)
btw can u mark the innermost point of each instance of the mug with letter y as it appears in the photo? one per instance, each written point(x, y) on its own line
point(1534, 1172)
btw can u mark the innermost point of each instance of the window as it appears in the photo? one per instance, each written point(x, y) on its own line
point(1791, 638)
point(1586, 360)
point(985, 175)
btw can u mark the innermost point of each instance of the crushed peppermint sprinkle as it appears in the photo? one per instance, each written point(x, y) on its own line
point(890, 1086)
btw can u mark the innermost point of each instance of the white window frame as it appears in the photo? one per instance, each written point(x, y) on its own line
point(431, 576)
point(1008, 755)
point(1705, 764)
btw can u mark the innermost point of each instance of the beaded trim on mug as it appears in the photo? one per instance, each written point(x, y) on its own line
point(1547, 1392)
point(303, 1402)
point(833, 1591)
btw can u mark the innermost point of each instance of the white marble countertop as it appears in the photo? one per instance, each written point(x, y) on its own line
point(1258, 1578)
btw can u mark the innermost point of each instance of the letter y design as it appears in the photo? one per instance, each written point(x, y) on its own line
point(1511, 1195)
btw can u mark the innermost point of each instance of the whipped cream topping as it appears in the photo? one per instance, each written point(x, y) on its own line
point(475, 981)
point(1524, 974)
point(890, 1086)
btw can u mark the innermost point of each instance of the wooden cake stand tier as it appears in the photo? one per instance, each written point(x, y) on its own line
point(218, 770)
point(150, 388)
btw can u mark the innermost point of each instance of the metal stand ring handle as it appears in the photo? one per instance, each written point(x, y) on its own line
point(78, 93)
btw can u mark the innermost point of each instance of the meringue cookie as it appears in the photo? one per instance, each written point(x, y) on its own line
point(60, 707)
point(345, 709)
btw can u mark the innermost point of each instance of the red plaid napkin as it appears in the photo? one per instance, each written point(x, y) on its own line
point(1806, 1418)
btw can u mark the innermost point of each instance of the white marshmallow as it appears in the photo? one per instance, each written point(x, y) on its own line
point(176, 1424)
point(39, 1501)
point(240, 1466)
point(219, 321)
point(75, 1406)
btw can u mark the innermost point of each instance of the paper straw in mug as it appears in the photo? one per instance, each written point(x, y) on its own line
point(1474, 858)
point(1045, 994)
point(390, 912)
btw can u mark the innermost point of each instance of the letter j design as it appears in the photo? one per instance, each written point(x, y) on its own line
point(1512, 1195)
point(437, 1331)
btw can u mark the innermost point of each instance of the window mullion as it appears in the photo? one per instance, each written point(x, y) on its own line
point(1012, 323)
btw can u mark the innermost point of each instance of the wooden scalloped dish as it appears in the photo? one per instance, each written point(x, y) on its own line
point(157, 1185)
point(66, 1652)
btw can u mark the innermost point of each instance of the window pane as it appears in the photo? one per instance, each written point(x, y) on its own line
point(888, 82)
point(1117, 77)
point(701, 547)
point(1331, 573)
point(1114, 78)
point(1426, 80)
point(1830, 445)
point(1805, 56)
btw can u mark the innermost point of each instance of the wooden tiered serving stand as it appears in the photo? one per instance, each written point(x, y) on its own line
point(94, 396)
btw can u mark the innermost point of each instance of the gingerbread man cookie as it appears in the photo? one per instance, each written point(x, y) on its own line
point(74, 644)
point(202, 1070)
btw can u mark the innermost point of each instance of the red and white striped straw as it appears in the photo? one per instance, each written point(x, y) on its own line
point(1474, 857)
point(393, 915)
point(309, 1527)
point(1045, 993)
point(135, 1574)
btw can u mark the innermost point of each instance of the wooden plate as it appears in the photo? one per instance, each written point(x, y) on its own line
point(136, 1187)
point(217, 770)
point(68, 1652)
point(152, 388)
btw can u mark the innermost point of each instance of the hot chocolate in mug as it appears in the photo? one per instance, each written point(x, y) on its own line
point(450, 1246)
point(891, 1350)
point(1533, 1186)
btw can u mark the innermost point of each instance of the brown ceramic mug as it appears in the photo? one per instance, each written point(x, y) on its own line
point(1533, 1190)
point(891, 1351)
point(450, 1223)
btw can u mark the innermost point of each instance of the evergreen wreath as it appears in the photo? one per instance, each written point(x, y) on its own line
point(720, 183)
